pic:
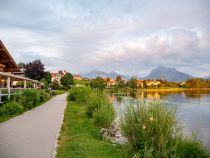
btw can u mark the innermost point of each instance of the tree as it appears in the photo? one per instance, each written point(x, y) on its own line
point(48, 77)
point(67, 80)
point(35, 70)
point(98, 83)
point(132, 83)
point(119, 78)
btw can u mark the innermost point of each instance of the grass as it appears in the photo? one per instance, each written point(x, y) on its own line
point(58, 92)
point(80, 138)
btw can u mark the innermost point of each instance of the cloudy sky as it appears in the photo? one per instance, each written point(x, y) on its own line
point(127, 36)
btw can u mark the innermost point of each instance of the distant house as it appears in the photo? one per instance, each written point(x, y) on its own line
point(77, 77)
point(152, 83)
point(56, 76)
point(140, 83)
point(111, 82)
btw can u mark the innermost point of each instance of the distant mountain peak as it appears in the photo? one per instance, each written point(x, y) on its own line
point(169, 74)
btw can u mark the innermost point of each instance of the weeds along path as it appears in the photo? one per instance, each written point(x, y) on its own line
point(32, 134)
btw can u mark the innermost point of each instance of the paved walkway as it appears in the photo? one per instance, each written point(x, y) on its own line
point(32, 135)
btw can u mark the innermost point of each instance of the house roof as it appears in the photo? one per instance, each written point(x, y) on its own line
point(7, 60)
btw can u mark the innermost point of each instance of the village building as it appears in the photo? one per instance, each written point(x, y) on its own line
point(149, 83)
point(11, 75)
point(140, 83)
point(111, 83)
point(153, 83)
point(56, 76)
point(77, 77)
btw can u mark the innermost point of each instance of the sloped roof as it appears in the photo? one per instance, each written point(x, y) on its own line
point(7, 60)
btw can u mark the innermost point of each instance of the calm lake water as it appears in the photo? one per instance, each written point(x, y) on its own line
point(193, 108)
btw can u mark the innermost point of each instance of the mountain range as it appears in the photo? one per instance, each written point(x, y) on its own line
point(160, 72)
point(96, 73)
point(207, 77)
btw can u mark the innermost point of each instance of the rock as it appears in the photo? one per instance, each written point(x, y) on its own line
point(103, 130)
point(113, 133)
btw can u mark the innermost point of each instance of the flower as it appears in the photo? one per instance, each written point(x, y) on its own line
point(144, 126)
point(151, 118)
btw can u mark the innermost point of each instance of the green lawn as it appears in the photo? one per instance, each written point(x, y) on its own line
point(81, 139)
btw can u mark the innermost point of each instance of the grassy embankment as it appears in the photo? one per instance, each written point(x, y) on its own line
point(18, 104)
point(80, 135)
point(151, 129)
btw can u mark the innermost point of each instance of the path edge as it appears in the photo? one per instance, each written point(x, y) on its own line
point(55, 144)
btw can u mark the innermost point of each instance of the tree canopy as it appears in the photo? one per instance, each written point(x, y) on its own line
point(67, 80)
point(35, 70)
point(98, 83)
point(132, 83)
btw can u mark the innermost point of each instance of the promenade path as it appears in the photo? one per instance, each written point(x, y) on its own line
point(33, 134)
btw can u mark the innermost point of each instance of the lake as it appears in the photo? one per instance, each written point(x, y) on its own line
point(193, 108)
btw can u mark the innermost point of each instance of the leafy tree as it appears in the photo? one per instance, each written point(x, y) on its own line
point(132, 83)
point(67, 80)
point(35, 70)
point(197, 83)
point(48, 77)
point(98, 83)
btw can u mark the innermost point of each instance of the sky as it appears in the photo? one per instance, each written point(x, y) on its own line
point(127, 36)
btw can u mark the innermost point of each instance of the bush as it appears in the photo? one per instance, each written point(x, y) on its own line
point(44, 95)
point(12, 108)
point(2, 111)
point(152, 131)
point(30, 98)
point(100, 108)
point(79, 94)
point(190, 147)
point(104, 115)
point(97, 104)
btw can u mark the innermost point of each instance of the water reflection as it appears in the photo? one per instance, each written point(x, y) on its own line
point(193, 108)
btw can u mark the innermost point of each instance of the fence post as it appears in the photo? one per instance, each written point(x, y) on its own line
point(8, 87)
point(25, 85)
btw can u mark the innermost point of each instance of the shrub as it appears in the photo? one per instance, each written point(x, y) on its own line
point(2, 111)
point(152, 131)
point(12, 108)
point(44, 95)
point(100, 108)
point(97, 104)
point(190, 147)
point(30, 98)
point(80, 94)
point(104, 115)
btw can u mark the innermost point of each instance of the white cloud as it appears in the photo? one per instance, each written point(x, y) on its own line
point(129, 36)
